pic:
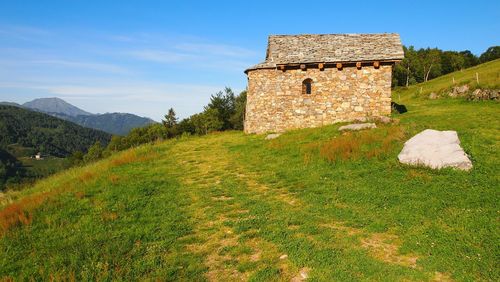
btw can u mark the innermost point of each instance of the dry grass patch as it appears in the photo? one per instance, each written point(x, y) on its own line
point(375, 143)
point(86, 176)
point(21, 212)
point(442, 277)
point(109, 216)
point(385, 247)
point(351, 231)
point(113, 178)
point(132, 156)
point(80, 195)
point(125, 158)
point(419, 175)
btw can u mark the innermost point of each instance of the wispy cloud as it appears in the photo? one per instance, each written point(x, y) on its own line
point(103, 67)
point(160, 56)
point(136, 72)
point(216, 49)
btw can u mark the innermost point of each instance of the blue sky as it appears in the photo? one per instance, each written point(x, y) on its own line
point(144, 57)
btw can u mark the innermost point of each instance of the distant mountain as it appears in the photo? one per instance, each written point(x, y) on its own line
point(45, 133)
point(114, 123)
point(55, 105)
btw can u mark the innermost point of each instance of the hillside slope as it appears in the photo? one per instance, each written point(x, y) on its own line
point(113, 123)
point(230, 206)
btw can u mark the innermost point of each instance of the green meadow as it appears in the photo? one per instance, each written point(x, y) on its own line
point(312, 202)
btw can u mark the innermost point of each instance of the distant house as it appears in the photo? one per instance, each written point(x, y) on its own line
point(39, 156)
point(316, 79)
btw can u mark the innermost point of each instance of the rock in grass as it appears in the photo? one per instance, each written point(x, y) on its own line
point(272, 136)
point(484, 94)
point(357, 126)
point(435, 149)
point(459, 91)
point(384, 119)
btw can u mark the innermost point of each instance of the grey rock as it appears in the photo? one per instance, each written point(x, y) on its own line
point(435, 149)
point(483, 94)
point(357, 126)
point(272, 136)
point(458, 91)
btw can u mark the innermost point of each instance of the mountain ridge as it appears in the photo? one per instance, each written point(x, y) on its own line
point(111, 122)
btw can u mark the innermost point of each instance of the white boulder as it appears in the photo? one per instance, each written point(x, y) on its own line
point(435, 149)
point(357, 126)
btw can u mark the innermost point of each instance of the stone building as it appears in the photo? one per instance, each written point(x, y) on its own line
point(313, 80)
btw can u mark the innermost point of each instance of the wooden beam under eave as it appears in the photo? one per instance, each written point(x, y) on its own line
point(321, 66)
point(303, 67)
point(358, 65)
point(376, 64)
point(339, 66)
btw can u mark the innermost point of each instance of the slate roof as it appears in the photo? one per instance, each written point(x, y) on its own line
point(330, 48)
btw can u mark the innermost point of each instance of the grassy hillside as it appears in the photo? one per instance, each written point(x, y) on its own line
point(231, 206)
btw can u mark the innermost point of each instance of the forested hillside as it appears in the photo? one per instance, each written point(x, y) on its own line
point(428, 63)
point(45, 133)
point(114, 123)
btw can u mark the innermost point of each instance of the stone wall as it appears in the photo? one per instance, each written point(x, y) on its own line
point(275, 101)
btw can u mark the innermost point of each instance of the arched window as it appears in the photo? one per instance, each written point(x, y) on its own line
point(307, 86)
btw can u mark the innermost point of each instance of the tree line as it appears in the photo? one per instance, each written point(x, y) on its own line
point(427, 63)
point(225, 111)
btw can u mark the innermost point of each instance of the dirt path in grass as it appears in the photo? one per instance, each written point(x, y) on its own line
point(220, 187)
point(209, 171)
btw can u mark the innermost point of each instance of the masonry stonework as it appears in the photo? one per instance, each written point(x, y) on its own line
point(276, 102)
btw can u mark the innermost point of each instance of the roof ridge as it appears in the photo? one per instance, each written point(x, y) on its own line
point(319, 34)
point(330, 48)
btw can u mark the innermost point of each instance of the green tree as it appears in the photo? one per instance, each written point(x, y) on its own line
point(170, 119)
point(156, 132)
point(451, 61)
point(470, 59)
point(170, 123)
point(224, 103)
point(207, 121)
point(76, 158)
point(95, 153)
point(491, 54)
point(405, 71)
point(238, 117)
point(186, 126)
point(430, 63)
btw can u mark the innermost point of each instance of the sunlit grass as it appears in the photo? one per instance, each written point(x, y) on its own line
point(230, 206)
